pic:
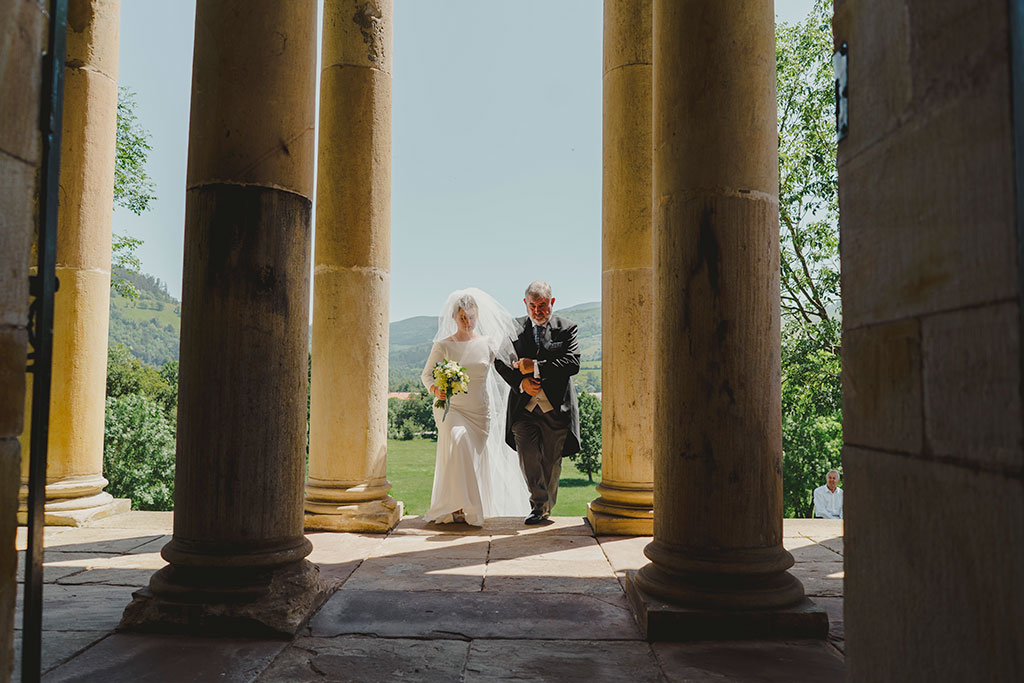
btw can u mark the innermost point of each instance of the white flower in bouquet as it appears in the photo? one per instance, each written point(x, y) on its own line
point(450, 378)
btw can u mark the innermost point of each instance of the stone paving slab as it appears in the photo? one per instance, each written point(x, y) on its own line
point(553, 584)
point(58, 647)
point(417, 574)
point(359, 659)
point(546, 547)
point(448, 546)
point(835, 544)
point(820, 578)
point(57, 564)
point(497, 526)
point(137, 519)
point(154, 546)
point(531, 575)
point(544, 661)
point(97, 540)
point(814, 552)
point(81, 608)
point(625, 553)
point(162, 658)
point(810, 661)
point(21, 536)
point(402, 614)
point(814, 528)
point(339, 554)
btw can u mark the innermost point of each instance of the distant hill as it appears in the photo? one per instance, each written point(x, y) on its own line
point(150, 325)
point(411, 340)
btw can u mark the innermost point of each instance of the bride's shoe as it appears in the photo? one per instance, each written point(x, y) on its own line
point(459, 517)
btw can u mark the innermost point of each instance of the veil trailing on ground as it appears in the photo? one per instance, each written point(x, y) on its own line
point(503, 489)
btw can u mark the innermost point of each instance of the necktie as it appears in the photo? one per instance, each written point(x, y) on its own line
point(536, 335)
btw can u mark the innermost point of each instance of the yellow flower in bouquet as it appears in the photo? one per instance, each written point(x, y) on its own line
point(451, 378)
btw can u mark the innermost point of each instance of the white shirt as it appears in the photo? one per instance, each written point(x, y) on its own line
point(828, 504)
point(541, 399)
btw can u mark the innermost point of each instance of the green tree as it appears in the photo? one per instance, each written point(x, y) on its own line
point(411, 416)
point(809, 232)
point(588, 458)
point(127, 376)
point(133, 189)
point(138, 452)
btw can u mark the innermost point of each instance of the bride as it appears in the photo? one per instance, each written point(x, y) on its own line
point(476, 474)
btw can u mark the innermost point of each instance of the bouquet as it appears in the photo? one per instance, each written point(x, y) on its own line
point(451, 378)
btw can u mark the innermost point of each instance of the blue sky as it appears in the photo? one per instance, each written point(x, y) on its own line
point(496, 144)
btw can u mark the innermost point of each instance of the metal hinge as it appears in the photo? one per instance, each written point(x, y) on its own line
point(842, 92)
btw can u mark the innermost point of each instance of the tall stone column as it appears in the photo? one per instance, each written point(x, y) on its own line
point(348, 488)
point(237, 555)
point(626, 503)
point(718, 568)
point(74, 472)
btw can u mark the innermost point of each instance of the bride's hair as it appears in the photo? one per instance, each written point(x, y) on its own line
point(466, 302)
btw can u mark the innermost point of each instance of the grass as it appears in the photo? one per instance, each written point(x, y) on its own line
point(411, 473)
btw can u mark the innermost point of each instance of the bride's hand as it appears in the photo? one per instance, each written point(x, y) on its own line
point(437, 392)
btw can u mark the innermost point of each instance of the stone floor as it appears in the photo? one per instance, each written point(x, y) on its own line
point(424, 603)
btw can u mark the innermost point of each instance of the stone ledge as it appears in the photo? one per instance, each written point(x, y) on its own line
point(661, 621)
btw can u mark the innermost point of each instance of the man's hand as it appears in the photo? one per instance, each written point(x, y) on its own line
point(531, 386)
point(525, 365)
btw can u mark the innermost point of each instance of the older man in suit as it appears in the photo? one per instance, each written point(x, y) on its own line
point(543, 421)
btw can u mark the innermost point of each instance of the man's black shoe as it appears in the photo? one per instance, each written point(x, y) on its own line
point(534, 518)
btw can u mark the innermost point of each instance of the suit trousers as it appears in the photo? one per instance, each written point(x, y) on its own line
point(540, 438)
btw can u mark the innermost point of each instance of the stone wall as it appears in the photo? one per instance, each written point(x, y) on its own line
point(931, 343)
point(22, 35)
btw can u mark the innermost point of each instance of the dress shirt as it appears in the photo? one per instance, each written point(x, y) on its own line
point(541, 399)
point(828, 504)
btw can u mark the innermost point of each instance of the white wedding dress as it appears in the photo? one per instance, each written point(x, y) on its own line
point(475, 470)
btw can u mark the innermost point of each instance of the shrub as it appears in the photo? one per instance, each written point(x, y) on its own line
point(138, 452)
point(588, 458)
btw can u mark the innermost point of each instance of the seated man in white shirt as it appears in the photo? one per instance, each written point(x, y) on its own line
point(828, 499)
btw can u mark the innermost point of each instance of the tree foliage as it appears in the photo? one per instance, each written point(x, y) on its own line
point(411, 416)
point(588, 458)
point(133, 188)
point(138, 452)
point(809, 231)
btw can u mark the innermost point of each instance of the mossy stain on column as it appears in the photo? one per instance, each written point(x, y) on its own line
point(368, 17)
point(80, 14)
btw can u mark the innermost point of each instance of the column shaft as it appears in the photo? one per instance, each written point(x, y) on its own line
point(236, 558)
point(74, 470)
point(626, 501)
point(348, 488)
point(717, 549)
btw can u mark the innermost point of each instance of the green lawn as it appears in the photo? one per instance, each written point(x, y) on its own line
point(411, 473)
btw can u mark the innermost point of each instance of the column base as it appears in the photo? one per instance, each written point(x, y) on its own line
point(607, 524)
point(274, 602)
point(373, 516)
point(58, 512)
point(662, 621)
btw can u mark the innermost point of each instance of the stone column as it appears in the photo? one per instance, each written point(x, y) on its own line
point(237, 555)
point(626, 490)
point(74, 471)
point(23, 35)
point(348, 488)
point(718, 568)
